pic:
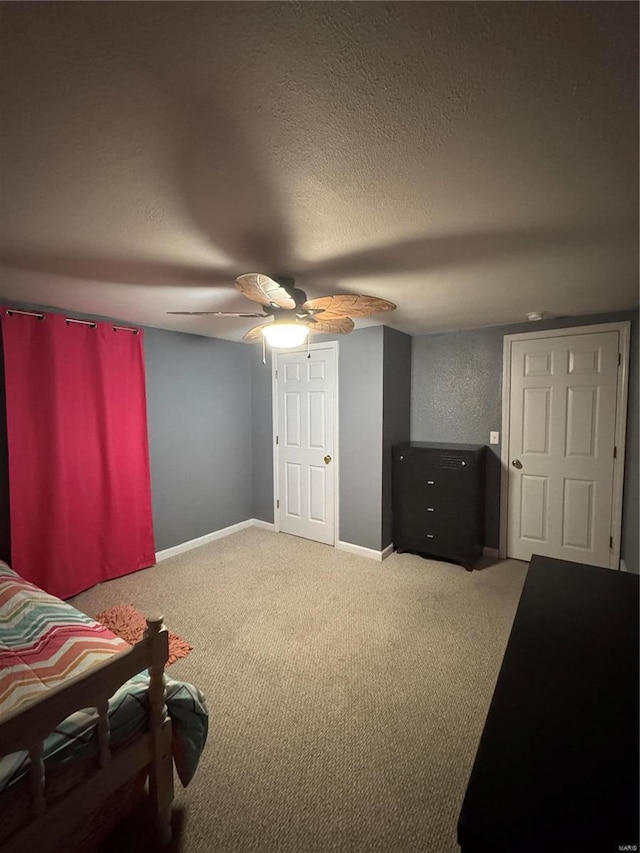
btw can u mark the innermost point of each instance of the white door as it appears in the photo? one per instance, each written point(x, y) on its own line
point(306, 432)
point(561, 447)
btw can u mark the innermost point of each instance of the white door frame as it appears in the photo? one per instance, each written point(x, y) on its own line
point(336, 444)
point(624, 329)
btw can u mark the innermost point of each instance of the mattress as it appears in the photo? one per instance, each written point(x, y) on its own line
point(45, 641)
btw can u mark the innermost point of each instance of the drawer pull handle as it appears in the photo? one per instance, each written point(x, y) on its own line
point(429, 535)
point(431, 482)
point(430, 509)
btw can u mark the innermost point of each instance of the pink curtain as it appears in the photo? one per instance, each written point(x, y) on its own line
point(79, 483)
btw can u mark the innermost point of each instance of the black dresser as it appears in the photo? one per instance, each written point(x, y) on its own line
point(438, 500)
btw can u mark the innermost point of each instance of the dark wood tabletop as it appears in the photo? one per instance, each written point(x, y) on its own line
point(557, 765)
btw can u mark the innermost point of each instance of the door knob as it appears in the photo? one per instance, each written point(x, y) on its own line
point(327, 459)
point(517, 463)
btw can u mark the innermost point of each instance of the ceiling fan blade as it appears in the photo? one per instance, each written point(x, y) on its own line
point(331, 325)
point(214, 313)
point(260, 288)
point(254, 334)
point(348, 305)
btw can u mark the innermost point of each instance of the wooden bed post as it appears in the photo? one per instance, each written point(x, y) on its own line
point(161, 770)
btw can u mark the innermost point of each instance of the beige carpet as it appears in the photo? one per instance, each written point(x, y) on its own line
point(347, 697)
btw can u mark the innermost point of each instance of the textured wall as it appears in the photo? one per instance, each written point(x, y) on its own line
point(396, 414)
point(456, 390)
point(456, 395)
point(200, 443)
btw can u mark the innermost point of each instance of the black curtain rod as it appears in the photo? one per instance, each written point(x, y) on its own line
point(91, 323)
point(12, 311)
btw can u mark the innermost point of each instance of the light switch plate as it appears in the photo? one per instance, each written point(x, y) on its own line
point(494, 438)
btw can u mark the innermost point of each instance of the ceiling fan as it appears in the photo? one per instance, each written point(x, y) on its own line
point(289, 316)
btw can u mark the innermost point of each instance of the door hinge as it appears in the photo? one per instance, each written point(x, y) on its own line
point(611, 542)
point(277, 504)
point(619, 359)
point(277, 439)
point(277, 372)
point(615, 452)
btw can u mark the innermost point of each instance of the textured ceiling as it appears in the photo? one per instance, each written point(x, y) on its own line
point(469, 161)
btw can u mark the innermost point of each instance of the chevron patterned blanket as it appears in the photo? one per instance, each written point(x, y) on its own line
point(43, 642)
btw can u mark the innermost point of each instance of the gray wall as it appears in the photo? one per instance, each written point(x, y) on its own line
point(262, 432)
point(360, 436)
point(200, 441)
point(360, 372)
point(396, 415)
point(456, 395)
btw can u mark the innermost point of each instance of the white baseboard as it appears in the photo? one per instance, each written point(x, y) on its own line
point(211, 537)
point(623, 566)
point(370, 553)
point(490, 552)
point(263, 525)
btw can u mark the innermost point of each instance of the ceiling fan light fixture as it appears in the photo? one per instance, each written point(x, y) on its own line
point(285, 335)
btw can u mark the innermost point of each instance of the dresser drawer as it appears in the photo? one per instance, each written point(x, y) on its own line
point(421, 519)
point(440, 544)
point(438, 506)
point(435, 519)
point(433, 487)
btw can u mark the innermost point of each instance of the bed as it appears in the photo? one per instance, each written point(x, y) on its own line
point(87, 722)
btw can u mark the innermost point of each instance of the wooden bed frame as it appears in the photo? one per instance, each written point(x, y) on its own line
point(26, 729)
